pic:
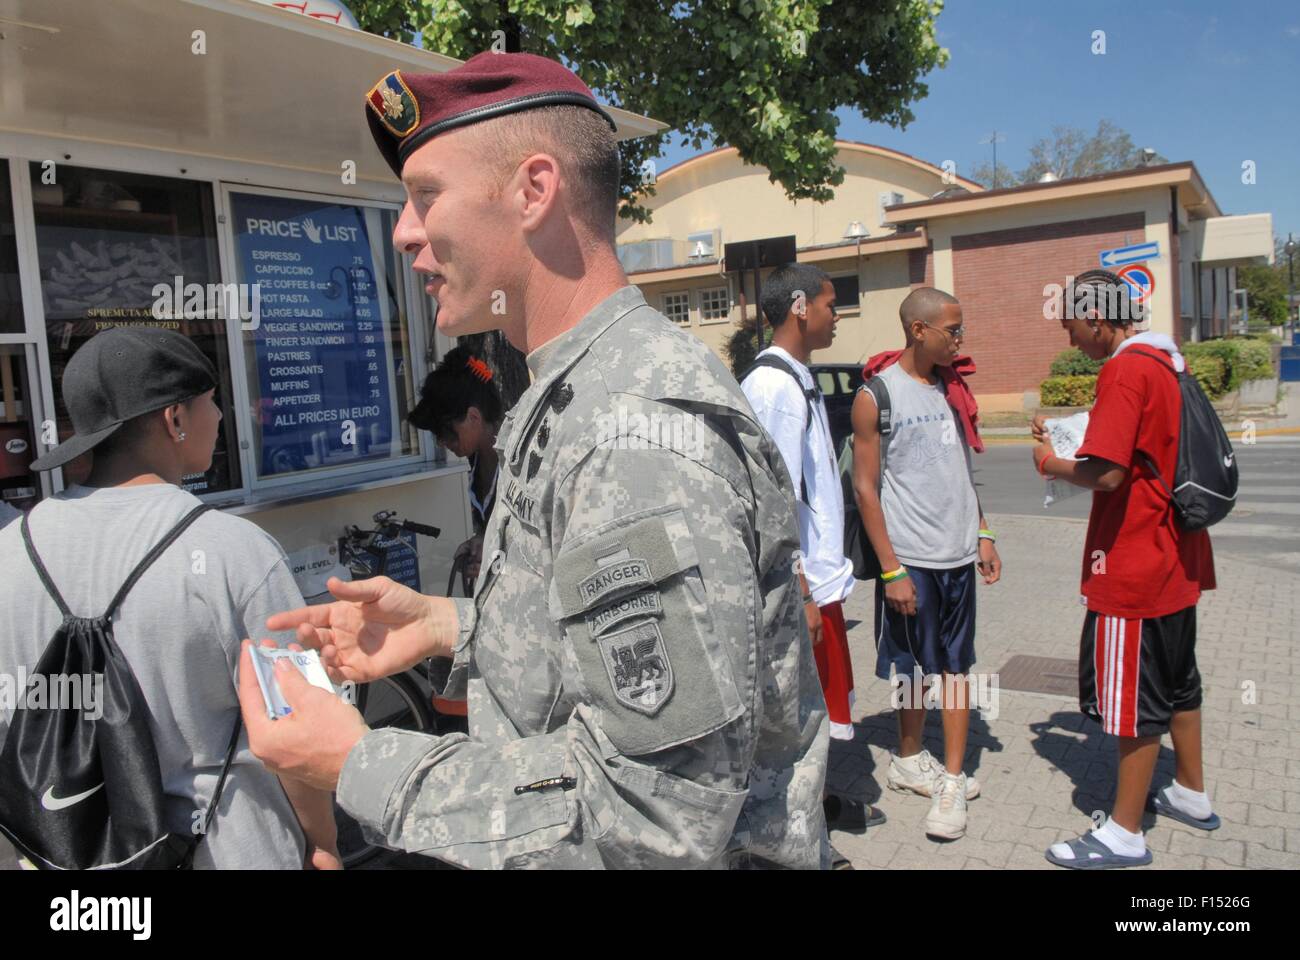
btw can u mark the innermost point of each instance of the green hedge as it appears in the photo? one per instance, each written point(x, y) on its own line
point(1220, 366)
point(1074, 363)
point(1209, 372)
point(1071, 391)
point(1243, 358)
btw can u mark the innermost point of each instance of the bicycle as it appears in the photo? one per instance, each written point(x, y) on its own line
point(403, 701)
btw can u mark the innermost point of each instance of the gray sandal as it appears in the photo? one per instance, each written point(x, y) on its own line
point(1091, 854)
point(1160, 805)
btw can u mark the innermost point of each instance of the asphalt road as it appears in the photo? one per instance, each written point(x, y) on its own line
point(1263, 528)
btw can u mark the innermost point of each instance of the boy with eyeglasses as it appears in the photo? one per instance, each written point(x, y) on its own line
point(917, 497)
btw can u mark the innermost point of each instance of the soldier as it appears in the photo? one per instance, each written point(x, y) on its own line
point(641, 687)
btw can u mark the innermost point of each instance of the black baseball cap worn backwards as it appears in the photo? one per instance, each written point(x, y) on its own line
point(123, 373)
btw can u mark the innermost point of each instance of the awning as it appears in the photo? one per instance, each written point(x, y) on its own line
point(273, 86)
point(1232, 241)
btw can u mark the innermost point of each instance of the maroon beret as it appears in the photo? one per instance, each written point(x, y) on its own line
point(407, 110)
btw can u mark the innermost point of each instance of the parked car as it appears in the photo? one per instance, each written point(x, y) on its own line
point(839, 383)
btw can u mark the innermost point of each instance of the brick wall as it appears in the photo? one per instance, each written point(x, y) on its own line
point(999, 278)
point(920, 267)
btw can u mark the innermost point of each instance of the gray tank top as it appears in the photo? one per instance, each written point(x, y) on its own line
point(927, 491)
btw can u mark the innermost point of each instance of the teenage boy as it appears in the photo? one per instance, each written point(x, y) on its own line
point(799, 302)
point(917, 497)
point(1142, 574)
point(141, 403)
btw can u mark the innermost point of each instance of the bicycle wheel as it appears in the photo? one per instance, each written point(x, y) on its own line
point(396, 701)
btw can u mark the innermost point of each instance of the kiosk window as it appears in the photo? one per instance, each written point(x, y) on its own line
point(11, 298)
point(328, 355)
point(121, 249)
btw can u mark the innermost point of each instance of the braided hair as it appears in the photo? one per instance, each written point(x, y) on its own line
point(1108, 295)
point(460, 381)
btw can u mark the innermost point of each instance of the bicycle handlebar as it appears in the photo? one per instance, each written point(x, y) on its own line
point(421, 528)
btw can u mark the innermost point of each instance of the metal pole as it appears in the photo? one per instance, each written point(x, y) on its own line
point(1290, 269)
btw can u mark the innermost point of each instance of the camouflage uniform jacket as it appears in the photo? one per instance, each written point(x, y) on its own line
point(641, 687)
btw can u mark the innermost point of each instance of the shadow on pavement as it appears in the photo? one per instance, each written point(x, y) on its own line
point(1090, 762)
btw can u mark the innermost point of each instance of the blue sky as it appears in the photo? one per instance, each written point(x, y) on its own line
point(1209, 82)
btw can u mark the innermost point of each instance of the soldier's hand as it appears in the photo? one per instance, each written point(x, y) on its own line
point(814, 615)
point(375, 628)
point(312, 743)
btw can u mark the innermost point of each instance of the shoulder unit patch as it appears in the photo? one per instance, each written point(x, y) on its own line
point(636, 661)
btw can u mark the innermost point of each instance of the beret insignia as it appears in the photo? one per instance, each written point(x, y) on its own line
point(394, 105)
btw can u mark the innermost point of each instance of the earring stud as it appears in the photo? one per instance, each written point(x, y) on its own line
point(181, 437)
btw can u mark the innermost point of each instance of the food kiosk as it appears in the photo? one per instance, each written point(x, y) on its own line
point(159, 158)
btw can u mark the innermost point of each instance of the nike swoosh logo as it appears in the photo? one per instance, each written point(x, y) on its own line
point(51, 802)
point(1227, 461)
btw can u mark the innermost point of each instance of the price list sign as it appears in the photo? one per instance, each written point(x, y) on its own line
point(321, 346)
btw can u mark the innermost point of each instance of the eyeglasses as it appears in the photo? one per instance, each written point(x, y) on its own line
point(958, 334)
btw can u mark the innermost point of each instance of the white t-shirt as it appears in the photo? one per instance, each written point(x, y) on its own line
point(809, 456)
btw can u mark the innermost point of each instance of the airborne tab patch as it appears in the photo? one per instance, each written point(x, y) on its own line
point(636, 662)
point(645, 603)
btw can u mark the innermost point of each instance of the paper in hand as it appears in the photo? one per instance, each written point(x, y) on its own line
point(306, 661)
point(1066, 434)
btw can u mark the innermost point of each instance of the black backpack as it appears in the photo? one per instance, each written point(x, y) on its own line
point(1205, 479)
point(866, 566)
point(810, 396)
point(78, 793)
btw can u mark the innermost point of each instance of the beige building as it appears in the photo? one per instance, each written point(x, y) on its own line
point(999, 251)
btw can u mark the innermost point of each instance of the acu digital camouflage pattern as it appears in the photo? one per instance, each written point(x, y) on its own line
point(641, 687)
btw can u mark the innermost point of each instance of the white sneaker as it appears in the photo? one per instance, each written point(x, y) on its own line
point(947, 817)
point(919, 772)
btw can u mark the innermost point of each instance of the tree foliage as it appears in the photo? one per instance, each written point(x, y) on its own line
point(1070, 152)
point(764, 76)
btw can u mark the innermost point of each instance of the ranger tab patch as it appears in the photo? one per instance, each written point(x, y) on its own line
point(636, 661)
point(615, 578)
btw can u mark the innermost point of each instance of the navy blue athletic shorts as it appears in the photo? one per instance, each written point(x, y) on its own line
point(940, 638)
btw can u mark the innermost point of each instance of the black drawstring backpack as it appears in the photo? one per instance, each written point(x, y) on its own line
point(1204, 487)
point(78, 793)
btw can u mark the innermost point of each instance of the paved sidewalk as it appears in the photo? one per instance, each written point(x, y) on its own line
point(1044, 769)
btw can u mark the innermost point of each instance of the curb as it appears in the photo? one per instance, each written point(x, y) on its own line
point(1029, 441)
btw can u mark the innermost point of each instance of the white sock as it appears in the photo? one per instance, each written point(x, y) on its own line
point(1191, 802)
point(1116, 838)
point(1120, 840)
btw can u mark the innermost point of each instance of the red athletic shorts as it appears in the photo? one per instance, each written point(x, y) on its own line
point(836, 671)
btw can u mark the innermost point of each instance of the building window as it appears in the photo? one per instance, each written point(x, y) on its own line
point(329, 364)
point(846, 293)
point(677, 307)
point(104, 240)
point(11, 297)
point(715, 304)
